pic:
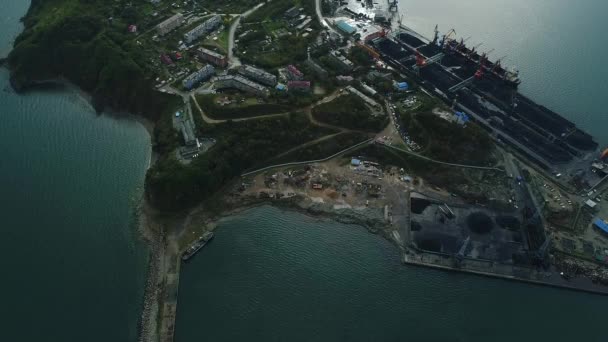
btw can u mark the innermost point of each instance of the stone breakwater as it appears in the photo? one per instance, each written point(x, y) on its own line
point(148, 321)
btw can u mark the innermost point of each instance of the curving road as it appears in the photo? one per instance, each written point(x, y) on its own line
point(210, 120)
point(443, 163)
point(320, 16)
point(235, 62)
point(309, 161)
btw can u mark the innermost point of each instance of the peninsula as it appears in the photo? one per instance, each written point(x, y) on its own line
point(332, 108)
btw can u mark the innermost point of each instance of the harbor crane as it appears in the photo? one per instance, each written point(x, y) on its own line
point(472, 51)
point(497, 63)
point(421, 61)
point(446, 37)
point(462, 41)
point(477, 76)
point(393, 5)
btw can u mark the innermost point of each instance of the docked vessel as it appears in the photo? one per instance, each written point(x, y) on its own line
point(197, 245)
point(488, 91)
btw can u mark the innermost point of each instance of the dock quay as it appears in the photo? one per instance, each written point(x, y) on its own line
point(168, 299)
point(487, 269)
point(488, 92)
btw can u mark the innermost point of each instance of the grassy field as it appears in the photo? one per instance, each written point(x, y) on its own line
point(350, 111)
point(322, 149)
point(248, 108)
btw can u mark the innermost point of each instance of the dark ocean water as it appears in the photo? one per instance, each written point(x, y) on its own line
point(271, 275)
point(69, 181)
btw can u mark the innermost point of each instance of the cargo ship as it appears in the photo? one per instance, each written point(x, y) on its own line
point(470, 82)
point(197, 245)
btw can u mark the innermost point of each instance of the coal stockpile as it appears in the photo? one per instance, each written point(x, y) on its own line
point(410, 40)
point(419, 204)
point(433, 245)
point(544, 134)
point(555, 151)
point(391, 49)
point(480, 223)
point(438, 77)
point(438, 243)
point(430, 50)
point(508, 222)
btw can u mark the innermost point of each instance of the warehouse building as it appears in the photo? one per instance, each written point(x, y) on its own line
point(345, 28)
point(601, 225)
point(363, 97)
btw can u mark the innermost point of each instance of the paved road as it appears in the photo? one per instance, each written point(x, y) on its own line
point(210, 120)
point(443, 163)
point(235, 62)
point(309, 161)
point(320, 16)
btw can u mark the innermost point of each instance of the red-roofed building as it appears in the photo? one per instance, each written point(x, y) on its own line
point(166, 59)
point(298, 85)
point(294, 74)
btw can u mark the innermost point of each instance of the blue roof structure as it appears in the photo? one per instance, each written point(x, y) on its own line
point(355, 162)
point(462, 117)
point(403, 86)
point(342, 25)
point(600, 224)
point(281, 87)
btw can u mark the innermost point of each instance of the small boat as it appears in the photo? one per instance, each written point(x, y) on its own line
point(197, 245)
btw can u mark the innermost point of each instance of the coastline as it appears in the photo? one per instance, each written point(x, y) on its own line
point(62, 83)
point(151, 233)
point(303, 206)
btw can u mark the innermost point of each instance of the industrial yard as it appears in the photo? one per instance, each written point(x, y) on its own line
point(424, 141)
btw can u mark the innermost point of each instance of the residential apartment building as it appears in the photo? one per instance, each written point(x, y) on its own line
point(298, 85)
point(212, 57)
point(258, 75)
point(170, 24)
point(201, 75)
point(293, 74)
point(240, 83)
point(342, 61)
point(202, 29)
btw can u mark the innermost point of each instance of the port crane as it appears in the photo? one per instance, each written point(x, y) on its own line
point(421, 61)
point(472, 51)
point(477, 76)
point(462, 41)
point(446, 37)
point(393, 5)
point(497, 63)
point(436, 35)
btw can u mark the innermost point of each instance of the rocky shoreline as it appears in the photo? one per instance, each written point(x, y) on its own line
point(371, 219)
point(147, 324)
